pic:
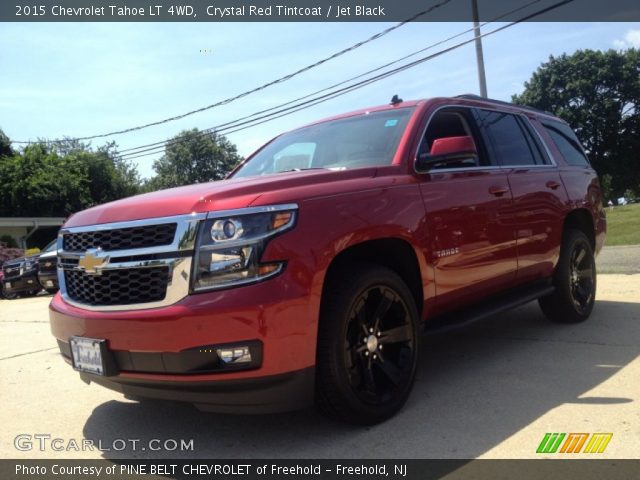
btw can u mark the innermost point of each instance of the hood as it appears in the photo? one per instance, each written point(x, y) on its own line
point(19, 260)
point(221, 195)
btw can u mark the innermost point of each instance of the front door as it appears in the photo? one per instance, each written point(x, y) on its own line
point(472, 250)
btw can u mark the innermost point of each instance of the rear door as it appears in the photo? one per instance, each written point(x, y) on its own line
point(539, 197)
point(471, 248)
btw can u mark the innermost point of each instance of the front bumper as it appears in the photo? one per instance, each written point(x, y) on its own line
point(48, 280)
point(279, 314)
point(275, 393)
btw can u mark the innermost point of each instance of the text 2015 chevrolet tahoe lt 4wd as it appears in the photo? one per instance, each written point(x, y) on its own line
point(307, 274)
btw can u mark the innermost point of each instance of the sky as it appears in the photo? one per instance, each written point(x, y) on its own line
point(82, 79)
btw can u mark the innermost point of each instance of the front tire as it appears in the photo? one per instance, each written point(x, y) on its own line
point(9, 295)
point(367, 345)
point(574, 281)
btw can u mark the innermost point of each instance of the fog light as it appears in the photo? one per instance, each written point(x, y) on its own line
point(234, 355)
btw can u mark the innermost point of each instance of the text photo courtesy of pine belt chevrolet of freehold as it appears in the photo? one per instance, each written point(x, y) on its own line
point(306, 276)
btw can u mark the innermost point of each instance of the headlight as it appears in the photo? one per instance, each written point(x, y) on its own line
point(30, 265)
point(230, 246)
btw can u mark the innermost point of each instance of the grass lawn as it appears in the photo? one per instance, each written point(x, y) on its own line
point(623, 225)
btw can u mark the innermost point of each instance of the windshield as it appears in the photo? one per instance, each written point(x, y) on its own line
point(361, 141)
point(51, 247)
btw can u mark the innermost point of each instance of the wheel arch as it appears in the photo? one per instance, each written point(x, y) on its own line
point(394, 253)
point(581, 219)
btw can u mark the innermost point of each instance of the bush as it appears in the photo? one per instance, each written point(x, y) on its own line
point(9, 241)
point(8, 253)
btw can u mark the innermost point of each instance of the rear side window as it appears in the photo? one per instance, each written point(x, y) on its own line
point(512, 145)
point(567, 143)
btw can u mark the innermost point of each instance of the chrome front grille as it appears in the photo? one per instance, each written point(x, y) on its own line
point(11, 271)
point(120, 238)
point(127, 265)
point(118, 287)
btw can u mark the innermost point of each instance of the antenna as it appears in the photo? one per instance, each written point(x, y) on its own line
point(395, 100)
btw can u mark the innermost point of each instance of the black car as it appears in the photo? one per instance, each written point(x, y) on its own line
point(20, 275)
point(48, 268)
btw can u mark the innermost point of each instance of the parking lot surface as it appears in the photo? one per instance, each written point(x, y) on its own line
point(491, 390)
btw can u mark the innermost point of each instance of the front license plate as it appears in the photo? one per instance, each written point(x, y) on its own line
point(87, 354)
point(7, 285)
point(49, 283)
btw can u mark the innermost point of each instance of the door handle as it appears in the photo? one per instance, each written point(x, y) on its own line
point(498, 191)
point(552, 184)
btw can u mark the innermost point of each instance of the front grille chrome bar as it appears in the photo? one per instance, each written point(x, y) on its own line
point(177, 257)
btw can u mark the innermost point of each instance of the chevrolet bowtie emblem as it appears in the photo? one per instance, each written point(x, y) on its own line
point(91, 261)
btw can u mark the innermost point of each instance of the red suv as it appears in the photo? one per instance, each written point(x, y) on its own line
point(306, 275)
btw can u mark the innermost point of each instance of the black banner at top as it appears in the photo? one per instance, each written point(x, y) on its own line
point(317, 10)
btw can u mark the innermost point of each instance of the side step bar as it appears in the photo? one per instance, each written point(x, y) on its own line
point(487, 308)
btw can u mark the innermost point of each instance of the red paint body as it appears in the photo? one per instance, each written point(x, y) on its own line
point(500, 227)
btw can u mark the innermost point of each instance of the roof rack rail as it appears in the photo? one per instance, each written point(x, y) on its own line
point(471, 96)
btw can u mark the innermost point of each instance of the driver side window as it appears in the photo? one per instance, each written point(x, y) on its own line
point(446, 124)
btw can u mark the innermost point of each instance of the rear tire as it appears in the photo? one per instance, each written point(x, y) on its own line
point(574, 280)
point(367, 345)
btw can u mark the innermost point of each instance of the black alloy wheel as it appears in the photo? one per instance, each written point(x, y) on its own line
point(379, 345)
point(581, 278)
point(574, 281)
point(367, 345)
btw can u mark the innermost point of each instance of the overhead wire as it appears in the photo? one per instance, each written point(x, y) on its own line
point(140, 148)
point(279, 80)
point(307, 104)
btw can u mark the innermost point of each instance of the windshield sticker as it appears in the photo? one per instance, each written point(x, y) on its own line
point(391, 123)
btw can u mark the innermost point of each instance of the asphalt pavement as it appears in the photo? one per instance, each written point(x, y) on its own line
point(623, 259)
point(491, 390)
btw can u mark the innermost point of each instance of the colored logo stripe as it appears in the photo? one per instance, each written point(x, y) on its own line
point(550, 443)
point(598, 442)
point(574, 442)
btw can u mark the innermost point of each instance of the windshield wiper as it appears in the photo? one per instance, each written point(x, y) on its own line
point(301, 169)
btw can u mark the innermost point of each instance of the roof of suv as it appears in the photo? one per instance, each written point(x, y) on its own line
point(459, 99)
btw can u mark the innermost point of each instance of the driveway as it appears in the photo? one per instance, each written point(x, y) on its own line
point(491, 390)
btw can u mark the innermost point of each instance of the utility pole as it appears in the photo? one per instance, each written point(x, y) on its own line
point(479, 55)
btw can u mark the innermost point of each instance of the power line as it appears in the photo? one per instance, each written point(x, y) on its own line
point(231, 127)
point(139, 149)
point(261, 87)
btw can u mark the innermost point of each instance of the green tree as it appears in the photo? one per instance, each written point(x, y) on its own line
point(5, 145)
point(8, 241)
point(598, 94)
point(605, 184)
point(61, 178)
point(194, 157)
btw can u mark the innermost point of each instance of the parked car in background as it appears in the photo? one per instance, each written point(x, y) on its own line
point(48, 268)
point(21, 274)
point(7, 253)
point(20, 277)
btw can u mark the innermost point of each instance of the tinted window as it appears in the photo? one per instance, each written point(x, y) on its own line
point(511, 146)
point(445, 124)
point(535, 143)
point(567, 143)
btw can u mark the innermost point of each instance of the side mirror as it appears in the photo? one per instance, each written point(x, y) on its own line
point(447, 150)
